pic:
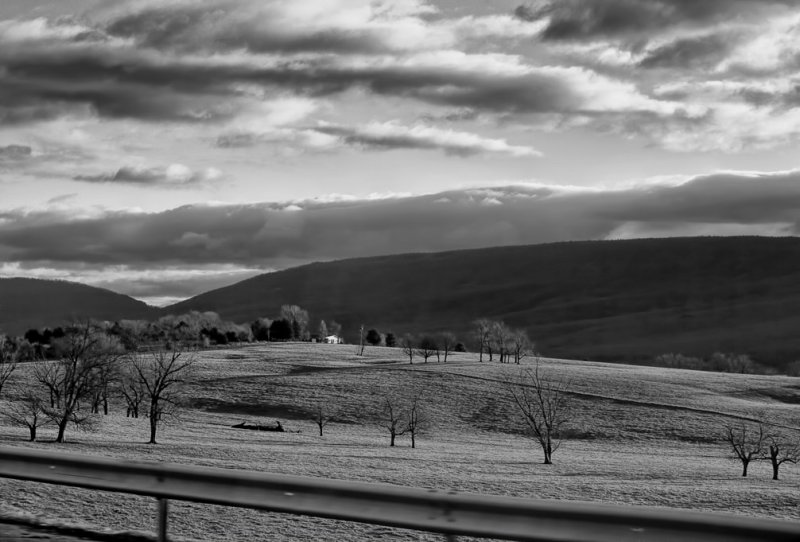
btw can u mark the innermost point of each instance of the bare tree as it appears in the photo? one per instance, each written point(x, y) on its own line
point(482, 331)
point(8, 361)
point(500, 339)
point(448, 343)
point(322, 415)
point(544, 406)
point(361, 343)
point(28, 411)
point(747, 442)
point(162, 373)
point(417, 419)
point(521, 345)
point(105, 376)
point(392, 419)
point(427, 347)
point(781, 449)
point(407, 344)
point(298, 318)
point(132, 390)
point(72, 379)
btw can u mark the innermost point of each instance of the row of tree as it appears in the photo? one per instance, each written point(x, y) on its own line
point(496, 338)
point(292, 324)
point(90, 368)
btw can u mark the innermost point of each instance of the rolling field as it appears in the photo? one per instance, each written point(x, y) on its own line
point(639, 435)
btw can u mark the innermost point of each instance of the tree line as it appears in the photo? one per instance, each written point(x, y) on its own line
point(89, 369)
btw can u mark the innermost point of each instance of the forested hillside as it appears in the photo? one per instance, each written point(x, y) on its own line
point(607, 300)
point(33, 303)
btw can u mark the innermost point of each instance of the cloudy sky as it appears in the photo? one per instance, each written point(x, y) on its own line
point(161, 148)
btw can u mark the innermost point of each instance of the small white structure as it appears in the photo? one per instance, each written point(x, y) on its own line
point(333, 339)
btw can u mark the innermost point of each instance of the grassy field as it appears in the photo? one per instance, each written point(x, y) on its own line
point(638, 435)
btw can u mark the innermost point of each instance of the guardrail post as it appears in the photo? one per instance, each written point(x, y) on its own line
point(163, 509)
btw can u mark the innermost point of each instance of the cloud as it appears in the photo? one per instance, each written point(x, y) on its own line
point(175, 175)
point(258, 70)
point(593, 19)
point(392, 135)
point(158, 286)
point(55, 74)
point(15, 153)
point(694, 52)
point(277, 235)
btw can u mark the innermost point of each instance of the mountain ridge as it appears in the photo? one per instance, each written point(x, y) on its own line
point(623, 300)
point(35, 303)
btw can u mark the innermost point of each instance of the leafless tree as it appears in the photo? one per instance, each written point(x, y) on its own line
point(747, 442)
point(417, 419)
point(84, 352)
point(407, 344)
point(105, 377)
point(500, 339)
point(543, 404)
point(447, 342)
point(781, 449)
point(162, 373)
point(393, 419)
point(322, 415)
point(521, 345)
point(132, 390)
point(482, 331)
point(361, 342)
point(28, 411)
point(8, 361)
point(298, 318)
point(427, 347)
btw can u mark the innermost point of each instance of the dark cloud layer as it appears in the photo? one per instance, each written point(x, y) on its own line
point(695, 52)
point(161, 76)
point(174, 175)
point(587, 19)
point(222, 25)
point(15, 152)
point(272, 235)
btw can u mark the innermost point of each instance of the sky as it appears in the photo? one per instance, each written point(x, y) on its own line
point(162, 148)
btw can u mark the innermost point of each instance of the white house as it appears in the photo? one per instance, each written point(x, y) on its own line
point(333, 339)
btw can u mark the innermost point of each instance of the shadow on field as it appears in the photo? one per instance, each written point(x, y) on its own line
point(252, 409)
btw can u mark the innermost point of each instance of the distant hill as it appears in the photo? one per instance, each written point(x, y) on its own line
point(605, 300)
point(28, 303)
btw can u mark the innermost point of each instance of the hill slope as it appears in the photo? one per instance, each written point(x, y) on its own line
point(28, 303)
point(615, 300)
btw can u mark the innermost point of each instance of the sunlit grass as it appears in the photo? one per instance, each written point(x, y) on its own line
point(641, 435)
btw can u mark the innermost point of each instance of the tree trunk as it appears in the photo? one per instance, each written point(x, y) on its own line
point(62, 428)
point(391, 443)
point(320, 429)
point(153, 427)
point(775, 467)
point(105, 405)
point(413, 440)
point(744, 467)
point(32, 429)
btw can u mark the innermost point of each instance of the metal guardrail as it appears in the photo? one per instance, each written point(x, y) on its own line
point(448, 513)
